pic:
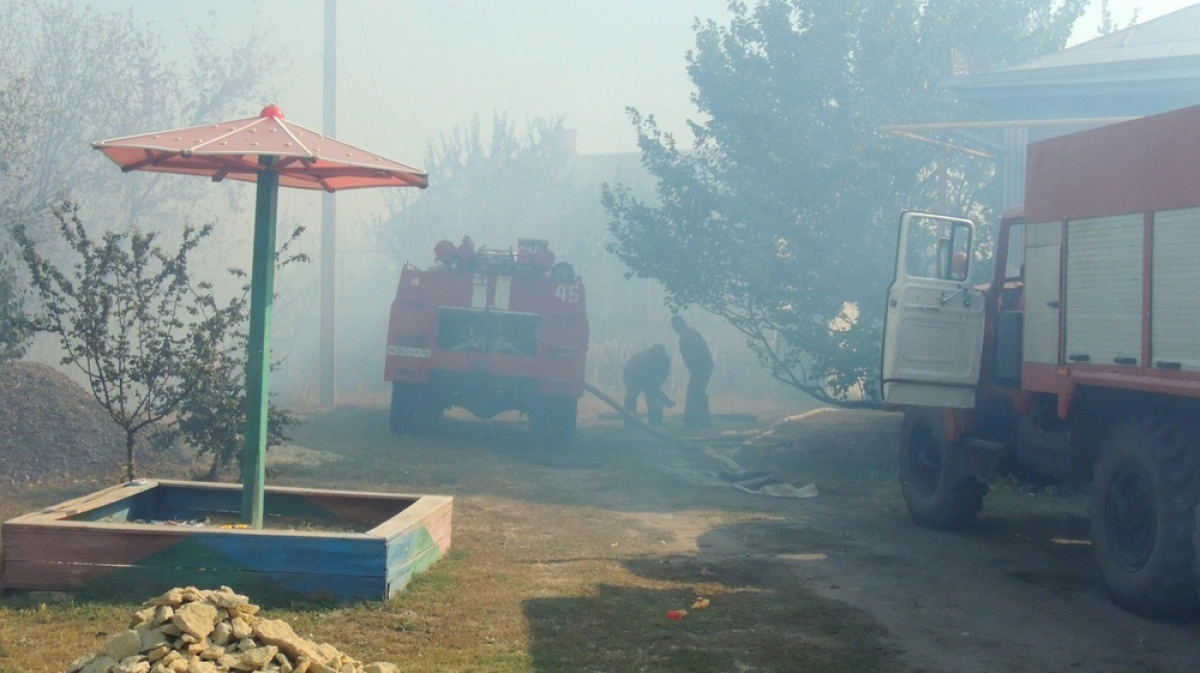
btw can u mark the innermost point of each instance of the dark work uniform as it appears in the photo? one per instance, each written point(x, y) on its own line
point(699, 361)
point(644, 374)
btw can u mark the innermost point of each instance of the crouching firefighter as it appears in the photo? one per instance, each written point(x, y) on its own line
point(645, 374)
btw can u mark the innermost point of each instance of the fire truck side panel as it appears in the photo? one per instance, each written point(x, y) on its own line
point(1126, 193)
point(561, 354)
point(1175, 280)
point(411, 330)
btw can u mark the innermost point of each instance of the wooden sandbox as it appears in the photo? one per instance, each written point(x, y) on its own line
point(149, 536)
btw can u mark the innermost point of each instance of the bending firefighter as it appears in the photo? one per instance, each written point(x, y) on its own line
point(699, 361)
point(645, 374)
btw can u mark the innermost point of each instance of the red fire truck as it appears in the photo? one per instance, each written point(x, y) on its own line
point(1079, 361)
point(488, 330)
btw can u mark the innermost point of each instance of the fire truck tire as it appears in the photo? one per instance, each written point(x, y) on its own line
point(939, 488)
point(553, 422)
point(1145, 491)
point(413, 409)
point(568, 419)
point(1196, 545)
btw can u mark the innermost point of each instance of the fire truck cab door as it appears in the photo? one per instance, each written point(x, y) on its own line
point(933, 333)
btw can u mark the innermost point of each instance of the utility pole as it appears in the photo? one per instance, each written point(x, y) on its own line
point(327, 383)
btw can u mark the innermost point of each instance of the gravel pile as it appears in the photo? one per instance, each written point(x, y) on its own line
point(193, 630)
point(53, 431)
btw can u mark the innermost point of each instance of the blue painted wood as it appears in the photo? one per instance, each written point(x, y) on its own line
point(263, 588)
point(86, 553)
point(409, 554)
point(181, 547)
point(408, 545)
point(400, 575)
point(184, 503)
point(244, 550)
point(137, 506)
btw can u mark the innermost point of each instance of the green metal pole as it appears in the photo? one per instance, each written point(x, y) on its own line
point(258, 357)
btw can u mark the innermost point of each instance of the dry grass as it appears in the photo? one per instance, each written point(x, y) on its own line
point(563, 560)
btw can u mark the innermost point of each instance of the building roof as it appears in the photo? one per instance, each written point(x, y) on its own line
point(1143, 69)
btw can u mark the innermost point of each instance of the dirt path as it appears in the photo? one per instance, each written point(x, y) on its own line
point(1017, 593)
point(568, 558)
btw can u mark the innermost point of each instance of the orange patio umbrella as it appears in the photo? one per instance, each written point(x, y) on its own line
point(272, 152)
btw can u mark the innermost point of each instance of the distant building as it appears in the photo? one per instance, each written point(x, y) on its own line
point(1144, 69)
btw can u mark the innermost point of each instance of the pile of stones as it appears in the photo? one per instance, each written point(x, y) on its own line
point(202, 631)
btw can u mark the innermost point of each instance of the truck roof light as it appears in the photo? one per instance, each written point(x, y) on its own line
point(443, 251)
point(543, 258)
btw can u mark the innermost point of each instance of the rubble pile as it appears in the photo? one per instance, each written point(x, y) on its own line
point(52, 430)
point(201, 631)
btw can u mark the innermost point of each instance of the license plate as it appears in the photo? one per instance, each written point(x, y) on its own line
point(408, 351)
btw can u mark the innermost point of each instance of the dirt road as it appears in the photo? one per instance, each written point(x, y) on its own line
point(1017, 593)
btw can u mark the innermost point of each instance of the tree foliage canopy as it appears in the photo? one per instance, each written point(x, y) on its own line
point(71, 75)
point(212, 417)
point(496, 187)
point(129, 317)
point(154, 343)
point(780, 217)
point(14, 328)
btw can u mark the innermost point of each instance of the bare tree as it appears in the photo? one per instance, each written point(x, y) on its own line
point(70, 75)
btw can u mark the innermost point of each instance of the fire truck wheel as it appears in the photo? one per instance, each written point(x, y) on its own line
point(413, 409)
point(568, 419)
point(935, 475)
point(1143, 511)
point(1196, 545)
point(553, 422)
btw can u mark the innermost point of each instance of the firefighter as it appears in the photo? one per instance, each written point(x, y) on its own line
point(644, 374)
point(699, 361)
point(960, 266)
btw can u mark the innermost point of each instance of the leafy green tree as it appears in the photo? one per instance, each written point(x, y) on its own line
point(780, 218)
point(212, 418)
point(128, 315)
point(1108, 23)
point(158, 348)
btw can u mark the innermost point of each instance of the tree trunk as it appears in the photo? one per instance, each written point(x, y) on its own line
point(130, 464)
point(215, 469)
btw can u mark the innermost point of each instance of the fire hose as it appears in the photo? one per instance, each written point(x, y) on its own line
point(630, 416)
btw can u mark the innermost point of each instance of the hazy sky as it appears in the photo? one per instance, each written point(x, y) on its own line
point(408, 70)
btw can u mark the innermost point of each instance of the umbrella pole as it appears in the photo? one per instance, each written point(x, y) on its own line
point(258, 357)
